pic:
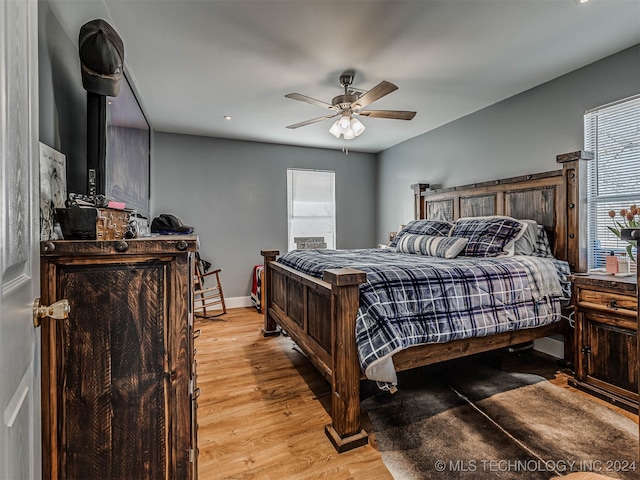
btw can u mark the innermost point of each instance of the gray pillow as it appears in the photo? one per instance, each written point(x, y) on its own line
point(526, 244)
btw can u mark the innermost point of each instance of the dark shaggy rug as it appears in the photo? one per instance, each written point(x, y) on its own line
point(478, 422)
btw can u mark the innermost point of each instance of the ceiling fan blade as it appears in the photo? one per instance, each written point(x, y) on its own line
point(313, 120)
point(379, 91)
point(396, 114)
point(312, 101)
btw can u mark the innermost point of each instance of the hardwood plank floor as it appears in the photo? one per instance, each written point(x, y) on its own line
point(263, 407)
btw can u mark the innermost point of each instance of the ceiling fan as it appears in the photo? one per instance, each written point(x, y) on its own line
point(350, 105)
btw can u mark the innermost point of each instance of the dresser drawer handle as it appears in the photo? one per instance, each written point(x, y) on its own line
point(47, 247)
point(613, 304)
point(121, 246)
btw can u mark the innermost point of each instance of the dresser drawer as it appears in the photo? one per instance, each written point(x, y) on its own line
point(607, 301)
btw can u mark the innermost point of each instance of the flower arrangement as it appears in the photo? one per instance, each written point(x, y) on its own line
point(630, 219)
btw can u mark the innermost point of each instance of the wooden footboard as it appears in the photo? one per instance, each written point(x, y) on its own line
point(320, 316)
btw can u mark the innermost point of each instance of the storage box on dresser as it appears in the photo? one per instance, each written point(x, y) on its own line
point(119, 373)
point(606, 348)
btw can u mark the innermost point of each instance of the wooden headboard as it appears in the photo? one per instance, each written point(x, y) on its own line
point(556, 200)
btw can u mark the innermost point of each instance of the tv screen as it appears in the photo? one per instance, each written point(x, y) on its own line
point(118, 148)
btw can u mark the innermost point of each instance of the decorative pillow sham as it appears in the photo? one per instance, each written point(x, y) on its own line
point(433, 246)
point(436, 228)
point(526, 244)
point(488, 236)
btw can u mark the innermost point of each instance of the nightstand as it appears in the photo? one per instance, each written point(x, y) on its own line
point(606, 348)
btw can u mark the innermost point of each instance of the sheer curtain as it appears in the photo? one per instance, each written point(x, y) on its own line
point(311, 208)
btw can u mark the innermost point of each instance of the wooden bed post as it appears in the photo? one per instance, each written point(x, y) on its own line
point(270, 328)
point(345, 431)
point(573, 245)
point(418, 207)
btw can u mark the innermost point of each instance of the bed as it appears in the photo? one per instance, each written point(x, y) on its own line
point(324, 315)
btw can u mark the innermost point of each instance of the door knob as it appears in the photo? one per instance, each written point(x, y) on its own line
point(58, 310)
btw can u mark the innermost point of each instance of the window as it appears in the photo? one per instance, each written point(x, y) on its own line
point(311, 208)
point(612, 133)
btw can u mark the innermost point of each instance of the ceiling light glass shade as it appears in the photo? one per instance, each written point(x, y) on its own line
point(349, 134)
point(335, 129)
point(344, 123)
point(357, 126)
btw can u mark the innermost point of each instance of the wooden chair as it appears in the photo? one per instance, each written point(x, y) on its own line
point(206, 297)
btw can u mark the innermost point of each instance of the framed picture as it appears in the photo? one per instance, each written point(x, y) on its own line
point(53, 190)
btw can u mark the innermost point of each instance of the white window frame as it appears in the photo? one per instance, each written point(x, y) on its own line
point(612, 133)
point(300, 199)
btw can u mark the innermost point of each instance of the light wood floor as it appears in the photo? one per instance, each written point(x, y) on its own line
point(263, 407)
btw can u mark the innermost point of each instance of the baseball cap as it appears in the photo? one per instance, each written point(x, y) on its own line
point(166, 223)
point(101, 57)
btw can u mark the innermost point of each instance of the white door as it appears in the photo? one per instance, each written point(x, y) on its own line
point(20, 446)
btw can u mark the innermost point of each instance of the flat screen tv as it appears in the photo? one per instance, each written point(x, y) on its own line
point(119, 148)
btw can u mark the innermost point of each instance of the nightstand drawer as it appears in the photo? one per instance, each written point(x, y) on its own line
point(607, 301)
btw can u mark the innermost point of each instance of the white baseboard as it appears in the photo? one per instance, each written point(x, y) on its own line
point(233, 302)
point(238, 302)
point(553, 346)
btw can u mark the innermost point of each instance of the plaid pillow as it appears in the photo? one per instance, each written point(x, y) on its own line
point(444, 247)
point(434, 228)
point(488, 236)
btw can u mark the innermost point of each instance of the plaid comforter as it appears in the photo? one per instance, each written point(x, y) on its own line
point(415, 299)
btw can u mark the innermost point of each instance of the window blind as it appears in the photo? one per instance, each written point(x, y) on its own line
point(612, 133)
point(311, 206)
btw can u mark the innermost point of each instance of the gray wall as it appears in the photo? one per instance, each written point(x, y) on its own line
point(62, 99)
point(520, 135)
point(235, 195)
point(233, 192)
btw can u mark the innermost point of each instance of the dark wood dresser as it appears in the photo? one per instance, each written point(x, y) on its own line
point(118, 375)
point(606, 347)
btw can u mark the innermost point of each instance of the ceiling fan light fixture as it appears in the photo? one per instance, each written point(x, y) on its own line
point(357, 126)
point(335, 129)
point(347, 126)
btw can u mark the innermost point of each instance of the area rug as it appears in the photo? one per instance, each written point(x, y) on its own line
point(481, 423)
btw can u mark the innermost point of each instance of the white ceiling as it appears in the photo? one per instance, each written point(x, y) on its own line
point(193, 62)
